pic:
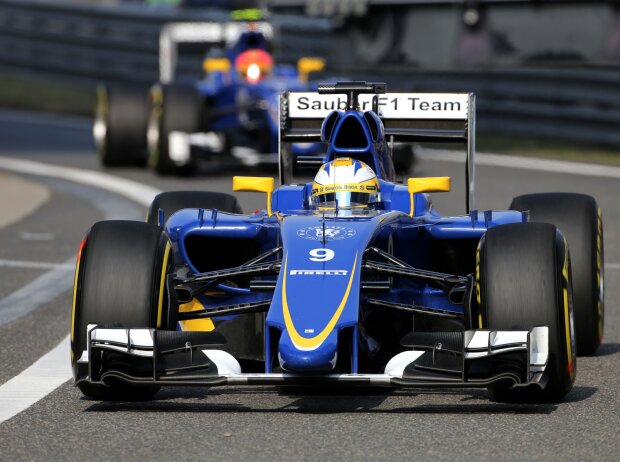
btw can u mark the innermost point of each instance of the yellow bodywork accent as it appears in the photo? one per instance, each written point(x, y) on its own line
point(216, 65)
point(424, 185)
point(313, 342)
point(307, 65)
point(162, 284)
point(255, 184)
point(195, 324)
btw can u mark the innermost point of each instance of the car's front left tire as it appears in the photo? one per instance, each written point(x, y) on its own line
point(523, 281)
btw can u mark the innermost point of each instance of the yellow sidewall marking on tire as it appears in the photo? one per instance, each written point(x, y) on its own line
point(599, 274)
point(567, 323)
point(162, 283)
point(75, 285)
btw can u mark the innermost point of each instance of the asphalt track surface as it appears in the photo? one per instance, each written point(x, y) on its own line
point(267, 423)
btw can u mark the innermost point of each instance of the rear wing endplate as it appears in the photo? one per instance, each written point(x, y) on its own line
point(406, 117)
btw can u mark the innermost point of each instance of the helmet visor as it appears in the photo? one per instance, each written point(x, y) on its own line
point(345, 199)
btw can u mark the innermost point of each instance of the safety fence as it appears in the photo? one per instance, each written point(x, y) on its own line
point(93, 43)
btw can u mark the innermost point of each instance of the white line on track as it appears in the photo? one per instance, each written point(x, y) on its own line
point(137, 192)
point(52, 369)
point(36, 265)
point(39, 380)
point(523, 163)
point(36, 293)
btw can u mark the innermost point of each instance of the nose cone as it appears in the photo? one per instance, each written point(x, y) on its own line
point(321, 359)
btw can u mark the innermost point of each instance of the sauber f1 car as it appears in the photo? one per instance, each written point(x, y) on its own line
point(350, 279)
point(230, 113)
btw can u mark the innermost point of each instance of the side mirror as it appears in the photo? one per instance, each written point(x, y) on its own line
point(427, 184)
point(307, 65)
point(255, 184)
point(216, 65)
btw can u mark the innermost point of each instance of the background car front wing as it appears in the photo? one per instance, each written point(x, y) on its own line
point(149, 356)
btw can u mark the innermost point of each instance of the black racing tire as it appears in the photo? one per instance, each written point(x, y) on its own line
point(403, 158)
point(579, 218)
point(121, 281)
point(523, 281)
point(119, 129)
point(172, 201)
point(174, 107)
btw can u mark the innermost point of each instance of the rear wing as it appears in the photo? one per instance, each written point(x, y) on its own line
point(215, 33)
point(406, 117)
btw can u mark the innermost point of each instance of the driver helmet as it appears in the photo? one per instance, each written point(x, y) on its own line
point(345, 183)
point(254, 65)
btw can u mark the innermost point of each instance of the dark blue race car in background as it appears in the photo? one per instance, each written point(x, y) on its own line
point(229, 113)
point(346, 280)
point(232, 111)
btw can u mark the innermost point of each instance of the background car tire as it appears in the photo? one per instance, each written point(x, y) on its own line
point(120, 124)
point(579, 218)
point(120, 281)
point(523, 281)
point(174, 108)
point(403, 158)
point(172, 201)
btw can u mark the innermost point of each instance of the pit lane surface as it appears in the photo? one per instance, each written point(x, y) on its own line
point(265, 423)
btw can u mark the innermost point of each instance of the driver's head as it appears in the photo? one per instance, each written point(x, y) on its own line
point(349, 182)
point(254, 65)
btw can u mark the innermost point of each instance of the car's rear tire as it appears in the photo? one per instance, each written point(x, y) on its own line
point(523, 281)
point(174, 108)
point(172, 201)
point(121, 281)
point(579, 218)
point(119, 128)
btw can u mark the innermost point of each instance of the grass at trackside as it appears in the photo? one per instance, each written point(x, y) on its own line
point(548, 149)
point(47, 96)
point(53, 96)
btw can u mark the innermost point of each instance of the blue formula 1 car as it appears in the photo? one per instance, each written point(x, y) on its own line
point(349, 279)
point(232, 111)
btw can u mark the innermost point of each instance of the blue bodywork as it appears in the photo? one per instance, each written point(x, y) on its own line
point(319, 318)
point(236, 106)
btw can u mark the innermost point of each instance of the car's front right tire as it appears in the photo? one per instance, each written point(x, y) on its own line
point(120, 281)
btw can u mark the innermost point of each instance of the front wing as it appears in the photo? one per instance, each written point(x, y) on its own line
point(149, 356)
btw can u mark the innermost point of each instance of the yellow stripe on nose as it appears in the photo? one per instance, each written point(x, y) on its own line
point(312, 343)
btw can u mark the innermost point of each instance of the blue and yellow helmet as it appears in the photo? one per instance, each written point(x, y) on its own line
point(345, 183)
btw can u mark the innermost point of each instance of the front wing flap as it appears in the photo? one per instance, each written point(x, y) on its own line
point(149, 356)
